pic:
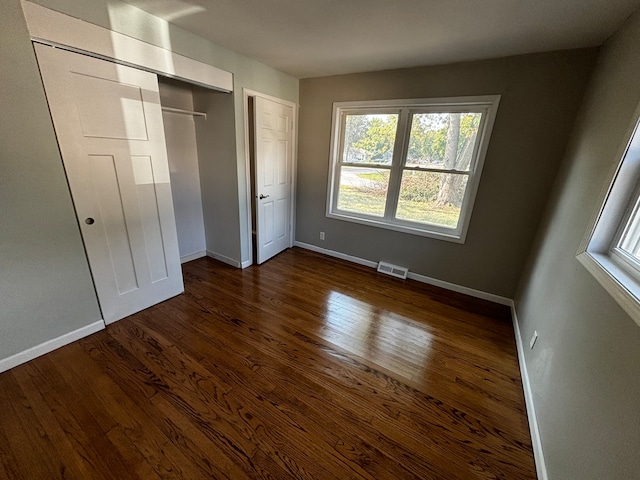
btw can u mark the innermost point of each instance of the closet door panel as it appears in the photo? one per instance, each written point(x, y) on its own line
point(108, 121)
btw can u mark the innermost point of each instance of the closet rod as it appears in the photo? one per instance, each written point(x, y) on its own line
point(185, 112)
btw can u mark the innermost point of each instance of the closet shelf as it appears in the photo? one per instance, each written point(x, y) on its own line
point(184, 112)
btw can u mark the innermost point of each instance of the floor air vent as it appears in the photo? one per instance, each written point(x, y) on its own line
point(393, 270)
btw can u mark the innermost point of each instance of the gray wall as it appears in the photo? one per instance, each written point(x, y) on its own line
point(585, 367)
point(45, 284)
point(540, 97)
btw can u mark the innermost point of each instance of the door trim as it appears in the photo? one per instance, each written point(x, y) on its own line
point(59, 30)
point(246, 93)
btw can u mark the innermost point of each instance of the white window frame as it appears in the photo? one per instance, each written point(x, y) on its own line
point(616, 270)
point(487, 105)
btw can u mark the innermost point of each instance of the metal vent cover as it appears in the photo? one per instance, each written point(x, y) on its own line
point(393, 270)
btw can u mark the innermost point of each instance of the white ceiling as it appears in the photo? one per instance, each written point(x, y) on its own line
point(308, 38)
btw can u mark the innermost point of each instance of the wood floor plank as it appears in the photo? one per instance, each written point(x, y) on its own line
point(28, 448)
point(197, 395)
point(303, 367)
point(258, 391)
point(262, 389)
point(127, 424)
point(264, 339)
point(274, 326)
point(274, 434)
point(485, 353)
point(72, 452)
point(162, 415)
point(371, 389)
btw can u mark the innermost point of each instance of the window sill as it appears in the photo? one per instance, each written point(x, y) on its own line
point(623, 287)
point(454, 236)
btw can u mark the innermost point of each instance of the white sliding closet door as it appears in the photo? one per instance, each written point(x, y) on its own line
point(108, 121)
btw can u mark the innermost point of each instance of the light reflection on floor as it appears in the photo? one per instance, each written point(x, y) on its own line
point(389, 340)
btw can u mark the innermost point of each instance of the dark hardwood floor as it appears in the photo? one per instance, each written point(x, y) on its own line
point(304, 367)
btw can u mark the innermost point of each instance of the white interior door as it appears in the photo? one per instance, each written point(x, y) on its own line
point(108, 121)
point(274, 157)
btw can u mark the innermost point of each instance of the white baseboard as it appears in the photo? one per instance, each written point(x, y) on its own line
point(193, 256)
point(536, 442)
point(224, 259)
point(413, 276)
point(333, 253)
point(460, 289)
point(246, 263)
point(49, 346)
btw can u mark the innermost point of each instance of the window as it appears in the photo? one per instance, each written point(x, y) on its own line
point(409, 165)
point(611, 248)
point(626, 247)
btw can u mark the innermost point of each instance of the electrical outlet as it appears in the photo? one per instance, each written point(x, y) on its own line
point(534, 337)
point(321, 235)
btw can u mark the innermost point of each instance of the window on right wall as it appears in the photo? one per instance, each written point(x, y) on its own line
point(611, 248)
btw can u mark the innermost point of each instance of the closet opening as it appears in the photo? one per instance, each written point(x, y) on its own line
point(200, 136)
point(179, 118)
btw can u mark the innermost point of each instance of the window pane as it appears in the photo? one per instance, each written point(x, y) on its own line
point(443, 140)
point(369, 138)
point(630, 240)
point(432, 198)
point(363, 190)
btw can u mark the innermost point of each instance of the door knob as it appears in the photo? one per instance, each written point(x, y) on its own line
point(89, 221)
point(263, 196)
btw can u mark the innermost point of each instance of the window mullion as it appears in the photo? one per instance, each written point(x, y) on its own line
point(399, 154)
point(436, 170)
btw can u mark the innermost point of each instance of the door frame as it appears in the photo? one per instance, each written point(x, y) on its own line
point(63, 31)
point(246, 94)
